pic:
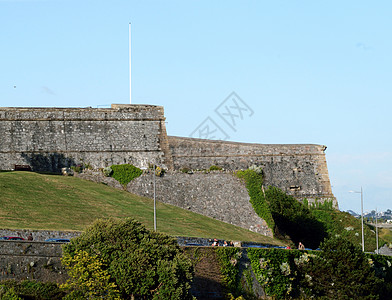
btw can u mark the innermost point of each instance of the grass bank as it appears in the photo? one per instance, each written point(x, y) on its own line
point(39, 201)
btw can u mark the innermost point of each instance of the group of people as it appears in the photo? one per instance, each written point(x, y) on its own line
point(225, 244)
point(300, 246)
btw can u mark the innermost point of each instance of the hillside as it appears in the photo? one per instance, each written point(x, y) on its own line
point(345, 225)
point(39, 201)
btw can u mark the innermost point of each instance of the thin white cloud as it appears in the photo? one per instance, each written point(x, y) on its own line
point(48, 91)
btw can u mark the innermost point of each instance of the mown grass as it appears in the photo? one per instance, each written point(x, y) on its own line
point(38, 201)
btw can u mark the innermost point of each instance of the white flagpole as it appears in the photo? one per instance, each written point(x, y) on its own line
point(130, 73)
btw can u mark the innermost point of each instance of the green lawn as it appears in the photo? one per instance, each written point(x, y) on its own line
point(39, 201)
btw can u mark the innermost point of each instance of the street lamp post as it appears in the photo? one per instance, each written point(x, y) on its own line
point(155, 205)
point(363, 237)
point(376, 233)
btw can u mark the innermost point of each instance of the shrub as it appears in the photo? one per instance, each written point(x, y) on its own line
point(382, 266)
point(142, 264)
point(77, 168)
point(8, 294)
point(293, 219)
point(30, 289)
point(284, 214)
point(159, 171)
point(338, 223)
point(125, 173)
point(215, 168)
point(87, 277)
point(341, 271)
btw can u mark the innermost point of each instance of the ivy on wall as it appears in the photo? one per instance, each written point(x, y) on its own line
point(229, 258)
point(254, 184)
point(285, 215)
point(276, 270)
point(125, 173)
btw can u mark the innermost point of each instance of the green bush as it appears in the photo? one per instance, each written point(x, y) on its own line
point(341, 271)
point(8, 294)
point(382, 266)
point(87, 277)
point(215, 168)
point(142, 264)
point(77, 169)
point(337, 223)
point(125, 173)
point(30, 289)
point(285, 215)
point(293, 219)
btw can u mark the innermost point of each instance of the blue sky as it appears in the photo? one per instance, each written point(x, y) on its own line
point(311, 71)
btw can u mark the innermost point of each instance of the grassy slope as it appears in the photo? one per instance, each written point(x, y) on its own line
point(386, 234)
point(345, 225)
point(36, 201)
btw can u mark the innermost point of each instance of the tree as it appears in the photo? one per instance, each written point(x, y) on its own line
point(137, 263)
point(294, 219)
point(341, 271)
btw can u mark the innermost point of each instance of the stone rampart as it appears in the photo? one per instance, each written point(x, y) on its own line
point(219, 195)
point(299, 170)
point(48, 139)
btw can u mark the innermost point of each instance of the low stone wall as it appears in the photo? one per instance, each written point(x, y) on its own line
point(219, 195)
point(39, 235)
point(40, 261)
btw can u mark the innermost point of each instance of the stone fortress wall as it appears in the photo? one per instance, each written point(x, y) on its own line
point(299, 170)
point(218, 195)
point(48, 139)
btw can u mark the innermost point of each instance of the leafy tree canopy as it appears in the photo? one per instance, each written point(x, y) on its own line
point(342, 271)
point(140, 264)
